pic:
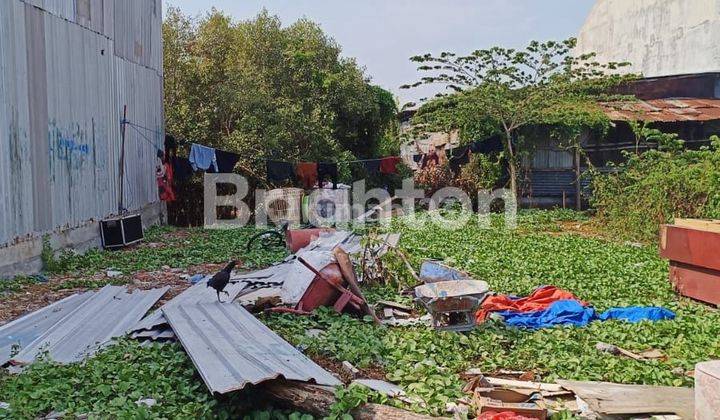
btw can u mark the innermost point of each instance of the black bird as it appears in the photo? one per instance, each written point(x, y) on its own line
point(221, 279)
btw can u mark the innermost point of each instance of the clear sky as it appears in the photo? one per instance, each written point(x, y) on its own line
point(383, 34)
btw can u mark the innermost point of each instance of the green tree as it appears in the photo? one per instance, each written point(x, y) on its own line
point(502, 91)
point(265, 90)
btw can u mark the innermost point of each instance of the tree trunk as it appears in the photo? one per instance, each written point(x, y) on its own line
point(512, 167)
point(317, 400)
point(578, 187)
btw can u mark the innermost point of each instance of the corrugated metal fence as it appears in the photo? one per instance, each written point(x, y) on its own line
point(67, 67)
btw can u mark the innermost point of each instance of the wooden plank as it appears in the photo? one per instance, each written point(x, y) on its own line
point(697, 224)
point(511, 383)
point(610, 398)
point(690, 246)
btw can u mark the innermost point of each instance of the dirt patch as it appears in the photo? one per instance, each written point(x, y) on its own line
point(35, 296)
point(332, 365)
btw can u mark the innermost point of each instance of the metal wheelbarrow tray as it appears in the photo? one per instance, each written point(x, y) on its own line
point(452, 304)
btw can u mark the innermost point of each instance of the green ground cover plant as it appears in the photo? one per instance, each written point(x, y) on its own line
point(425, 362)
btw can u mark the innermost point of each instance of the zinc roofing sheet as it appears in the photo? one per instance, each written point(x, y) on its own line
point(664, 110)
point(231, 348)
point(108, 314)
point(24, 330)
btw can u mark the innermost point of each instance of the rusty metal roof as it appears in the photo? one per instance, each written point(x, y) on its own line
point(664, 110)
point(107, 314)
point(231, 348)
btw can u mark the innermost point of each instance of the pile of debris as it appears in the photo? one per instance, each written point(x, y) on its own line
point(518, 395)
point(231, 349)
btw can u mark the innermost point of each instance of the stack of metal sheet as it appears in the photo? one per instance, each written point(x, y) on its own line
point(76, 327)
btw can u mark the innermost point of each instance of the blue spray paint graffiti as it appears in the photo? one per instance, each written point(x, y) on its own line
point(69, 146)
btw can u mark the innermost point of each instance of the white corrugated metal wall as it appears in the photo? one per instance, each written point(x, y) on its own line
point(64, 79)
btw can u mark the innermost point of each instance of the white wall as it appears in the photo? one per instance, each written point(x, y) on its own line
point(659, 37)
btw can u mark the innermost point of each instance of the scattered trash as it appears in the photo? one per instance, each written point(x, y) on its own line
point(425, 320)
point(618, 399)
point(40, 278)
point(452, 304)
point(349, 368)
point(383, 387)
point(4, 406)
point(197, 278)
point(549, 306)
point(432, 271)
point(113, 273)
point(314, 332)
point(646, 355)
point(148, 402)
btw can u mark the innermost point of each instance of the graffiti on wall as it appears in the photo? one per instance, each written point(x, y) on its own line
point(70, 146)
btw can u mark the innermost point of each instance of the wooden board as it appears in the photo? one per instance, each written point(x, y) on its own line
point(609, 398)
point(697, 224)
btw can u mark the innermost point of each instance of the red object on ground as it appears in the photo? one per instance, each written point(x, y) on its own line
point(540, 299)
point(690, 246)
point(505, 415)
point(320, 293)
point(694, 260)
point(300, 238)
point(388, 165)
point(696, 282)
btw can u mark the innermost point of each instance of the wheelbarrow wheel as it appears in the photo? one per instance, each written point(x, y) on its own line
point(267, 239)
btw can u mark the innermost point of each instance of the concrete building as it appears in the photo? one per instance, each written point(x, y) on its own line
point(67, 69)
point(658, 37)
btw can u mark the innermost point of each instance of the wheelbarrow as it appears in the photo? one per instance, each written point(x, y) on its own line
point(452, 304)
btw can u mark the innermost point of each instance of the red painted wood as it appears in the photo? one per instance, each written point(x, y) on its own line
point(690, 246)
point(696, 282)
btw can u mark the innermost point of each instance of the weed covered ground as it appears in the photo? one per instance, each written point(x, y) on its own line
point(425, 362)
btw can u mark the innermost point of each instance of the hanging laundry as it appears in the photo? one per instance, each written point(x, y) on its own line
point(226, 161)
point(372, 166)
point(329, 170)
point(164, 177)
point(182, 168)
point(202, 158)
point(388, 165)
point(476, 146)
point(307, 174)
point(171, 146)
point(278, 171)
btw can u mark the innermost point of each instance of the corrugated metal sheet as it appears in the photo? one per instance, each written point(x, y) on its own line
point(316, 253)
point(17, 334)
point(664, 110)
point(138, 32)
point(108, 314)
point(198, 293)
point(62, 90)
point(231, 348)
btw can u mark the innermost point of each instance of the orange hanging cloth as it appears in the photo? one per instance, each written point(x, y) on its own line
point(540, 299)
point(388, 165)
point(307, 173)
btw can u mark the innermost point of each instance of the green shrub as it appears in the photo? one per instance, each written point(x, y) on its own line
point(654, 187)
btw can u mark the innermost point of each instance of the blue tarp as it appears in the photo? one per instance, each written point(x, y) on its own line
point(572, 312)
